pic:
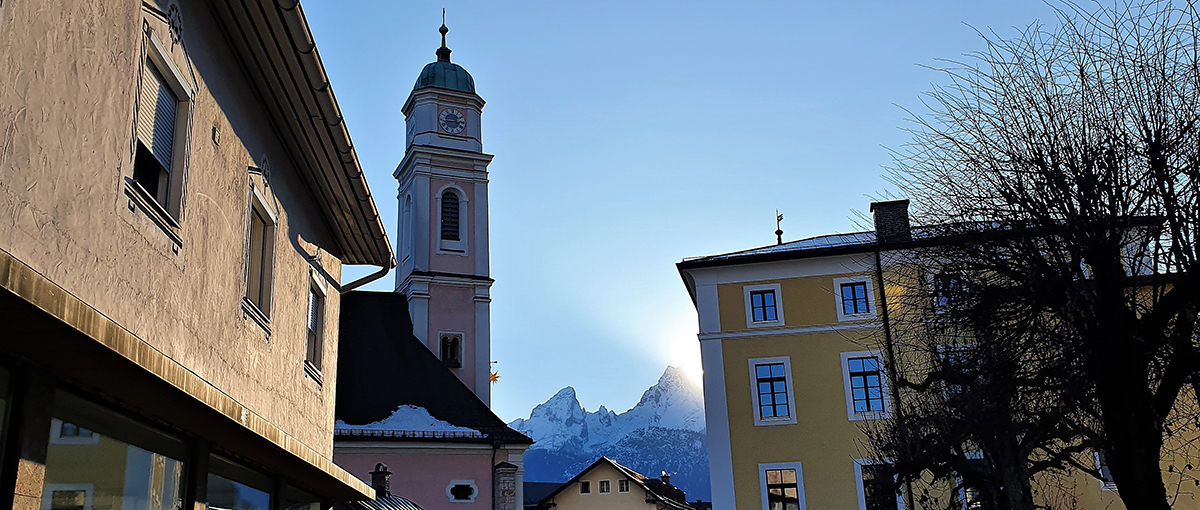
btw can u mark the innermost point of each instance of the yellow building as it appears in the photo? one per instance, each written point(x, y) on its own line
point(607, 485)
point(787, 336)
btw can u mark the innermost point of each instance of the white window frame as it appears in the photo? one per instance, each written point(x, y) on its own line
point(750, 322)
point(883, 383)
point(623, 486)
point(474, 491)
point(862, 494)
point(762, 481)
point(604, 487)
point(837, 298)
point(185, 95)
point(589, 488)
point(787, 370)
point(56, 433)
point(49, 489)
point(458, 247)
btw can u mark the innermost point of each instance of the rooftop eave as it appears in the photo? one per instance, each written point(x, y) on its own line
point(275, 45)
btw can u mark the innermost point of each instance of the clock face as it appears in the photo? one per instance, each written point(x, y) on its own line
point(452, 121)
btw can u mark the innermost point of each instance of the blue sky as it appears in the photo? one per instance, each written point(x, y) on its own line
point(629, 135)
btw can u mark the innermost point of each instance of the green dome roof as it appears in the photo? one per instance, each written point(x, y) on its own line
point(445, 75)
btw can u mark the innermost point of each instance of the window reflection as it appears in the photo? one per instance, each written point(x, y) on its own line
point(100, 460)
point(232, 486)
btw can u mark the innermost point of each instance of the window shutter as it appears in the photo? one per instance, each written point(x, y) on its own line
point(156, 116)
point(313, 313)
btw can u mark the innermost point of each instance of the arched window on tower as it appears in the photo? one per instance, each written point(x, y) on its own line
point(450, 231)
point(452, 350)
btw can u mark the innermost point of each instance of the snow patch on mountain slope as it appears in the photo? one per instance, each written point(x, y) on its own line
point(664, 432)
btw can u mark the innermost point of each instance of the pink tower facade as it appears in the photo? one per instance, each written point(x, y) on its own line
point(443, 226)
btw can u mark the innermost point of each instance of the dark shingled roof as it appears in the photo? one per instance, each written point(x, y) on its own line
point(382, 366)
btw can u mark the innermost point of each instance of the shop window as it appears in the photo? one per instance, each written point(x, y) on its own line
point(234, 486)
point(110, 458)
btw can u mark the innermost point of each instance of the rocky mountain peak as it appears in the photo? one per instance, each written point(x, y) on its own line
point(665, 430)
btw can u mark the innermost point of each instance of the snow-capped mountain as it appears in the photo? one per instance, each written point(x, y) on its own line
point(663, 432)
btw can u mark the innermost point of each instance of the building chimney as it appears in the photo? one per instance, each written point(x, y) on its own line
point(379, 481)
point(891, 221)
point(666, 478)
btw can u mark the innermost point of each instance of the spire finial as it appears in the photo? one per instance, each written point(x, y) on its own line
point(778, 229)
point(443, 53)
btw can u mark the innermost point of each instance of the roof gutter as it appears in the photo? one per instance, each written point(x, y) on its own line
point(383, 271)
point(302, 42)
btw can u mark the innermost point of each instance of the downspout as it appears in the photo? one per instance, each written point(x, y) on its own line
point(383, 271)
point(892, 371)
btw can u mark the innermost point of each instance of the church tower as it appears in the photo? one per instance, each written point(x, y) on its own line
point(443, 223)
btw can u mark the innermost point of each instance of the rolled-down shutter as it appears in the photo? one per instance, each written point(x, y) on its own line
point(156, 116)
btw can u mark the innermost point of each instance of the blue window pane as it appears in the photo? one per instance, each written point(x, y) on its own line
point(872, 380)
point(763, 371)
point(780, 387)
point(781, 410)
point(856, 365)
point(857, 382)
point(770, 315)
point(764, 400)
point(847, 292)
point(877, 404)
point(781, 398)
point(871, 364)
point(777, 370)
point(874, 393)
point(769, 299)
point(764, 387)
point(768, 412)
point(758, 315)
point(860, 406)
point(756, 300)
point(858, 394)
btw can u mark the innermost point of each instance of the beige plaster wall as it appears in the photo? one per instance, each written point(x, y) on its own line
point(66, 129)
point(571, 499)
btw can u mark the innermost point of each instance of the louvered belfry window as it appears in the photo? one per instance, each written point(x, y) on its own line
point(450, 216)
point(157, 109)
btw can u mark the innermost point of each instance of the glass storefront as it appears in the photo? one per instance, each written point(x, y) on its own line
point(232, 486)
point(98, 459)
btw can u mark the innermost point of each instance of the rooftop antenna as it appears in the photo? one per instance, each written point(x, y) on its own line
point(778, 229)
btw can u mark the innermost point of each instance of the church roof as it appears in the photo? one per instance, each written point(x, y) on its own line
point(386, 376)
point(443, 74)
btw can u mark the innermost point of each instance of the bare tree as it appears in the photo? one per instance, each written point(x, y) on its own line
point(1060, 173)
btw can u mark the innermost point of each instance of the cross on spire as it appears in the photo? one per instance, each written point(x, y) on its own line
point(443, 53)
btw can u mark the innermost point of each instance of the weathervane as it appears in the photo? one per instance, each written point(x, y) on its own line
point(778, 229)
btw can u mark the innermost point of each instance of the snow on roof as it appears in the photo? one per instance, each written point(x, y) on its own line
point(811, 243)
point(406, 421)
